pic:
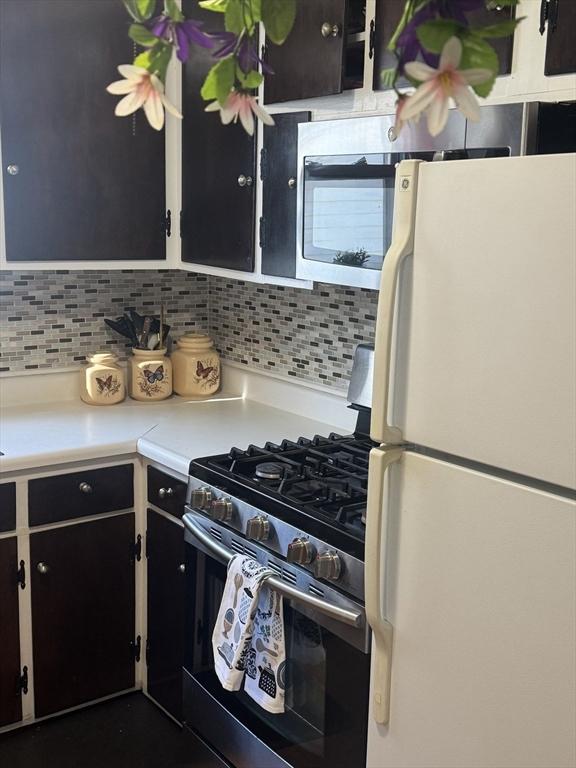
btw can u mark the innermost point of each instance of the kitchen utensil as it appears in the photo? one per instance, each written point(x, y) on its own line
point(145, 332)
point(277, 623)
point(267, 681)
point(228, 621)
point(227, 652)
point(245, 602)
point(251, 670)
point(281, 675)
point(238, 581)
point(261, 648)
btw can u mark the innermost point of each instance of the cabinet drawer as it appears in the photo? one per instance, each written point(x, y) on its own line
point(7, 507)
point(80, 494)
point(166, 492)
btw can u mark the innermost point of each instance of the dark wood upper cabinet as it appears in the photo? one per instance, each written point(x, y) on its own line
point(166, 594)
point(10, 694)
point(308, 64)
point(7, 506)
point(218, 171)
point(84, 184)
point(561, 37)
point(279, 173)
point(388, 15)
point(82, 582)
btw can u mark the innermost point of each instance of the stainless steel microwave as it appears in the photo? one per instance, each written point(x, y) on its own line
point(346, 171)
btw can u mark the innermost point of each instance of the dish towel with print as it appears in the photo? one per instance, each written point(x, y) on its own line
point(232, 636)
point(265, 665)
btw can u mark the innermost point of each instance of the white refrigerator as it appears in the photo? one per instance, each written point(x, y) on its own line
point(471, 520)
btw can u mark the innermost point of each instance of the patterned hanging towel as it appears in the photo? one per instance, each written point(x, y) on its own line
point(232, 636)
point(266, 661)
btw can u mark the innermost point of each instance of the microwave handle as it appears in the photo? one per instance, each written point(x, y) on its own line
point(375, 575)
point(405, 194)
point(344, 615)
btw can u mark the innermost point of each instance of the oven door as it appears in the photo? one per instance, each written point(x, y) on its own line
point(326, 679)
point(346, 175)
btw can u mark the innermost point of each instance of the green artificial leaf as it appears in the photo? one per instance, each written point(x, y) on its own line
point(250, 80)
point(388, 77)
point(218, 6)
point(255, 9)
point(410, 9)
point(133, 10)
point(142, 36)
point(146, 7)
point(503, 29)
point(156, 59)
point(477, 53)
point(219, 80)
point(234, 19)
point(171, 9)
point(140, 10)
point(435, 34)
point(278, 17)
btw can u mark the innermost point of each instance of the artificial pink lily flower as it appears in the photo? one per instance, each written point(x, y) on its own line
point(243, 106)
point(143, 89)
point(439, 85)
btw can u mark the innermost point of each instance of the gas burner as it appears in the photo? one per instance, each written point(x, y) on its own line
point(270, 470)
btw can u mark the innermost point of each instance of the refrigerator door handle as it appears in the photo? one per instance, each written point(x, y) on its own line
point(405, 193)
point(375, 571)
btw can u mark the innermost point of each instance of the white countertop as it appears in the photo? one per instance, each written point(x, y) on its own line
point(171, 432)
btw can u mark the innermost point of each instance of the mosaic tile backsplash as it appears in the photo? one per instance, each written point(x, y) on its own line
point(53, 319)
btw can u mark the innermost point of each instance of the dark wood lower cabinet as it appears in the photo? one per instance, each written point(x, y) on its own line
point(82, 581)
point(10, 696)
point(165, 642)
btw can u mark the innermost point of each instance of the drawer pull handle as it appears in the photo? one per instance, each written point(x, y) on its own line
point(182, 568)
point(42, 568)
point(85, 488)
point(165, 493)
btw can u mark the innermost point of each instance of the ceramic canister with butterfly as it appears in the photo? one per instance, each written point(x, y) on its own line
point(196, 366)
point(151, 374)
point(103, 381)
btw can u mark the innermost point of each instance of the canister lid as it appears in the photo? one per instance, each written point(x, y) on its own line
point(102, 358)
point(196, 341)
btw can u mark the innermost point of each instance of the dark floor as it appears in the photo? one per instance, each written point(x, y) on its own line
point(128, 732)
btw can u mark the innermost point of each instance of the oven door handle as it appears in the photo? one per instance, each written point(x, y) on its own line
point(344, 615)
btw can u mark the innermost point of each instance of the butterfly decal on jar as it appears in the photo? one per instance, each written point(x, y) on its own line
point(207, 376)
point(152, 382)
point(108, 386)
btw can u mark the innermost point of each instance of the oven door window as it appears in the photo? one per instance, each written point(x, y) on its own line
point(326, 681)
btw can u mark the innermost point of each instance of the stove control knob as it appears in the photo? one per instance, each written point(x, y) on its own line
point(301, 551)
point(258, 528)
point(200, 498)
point(327, 566)
point(221, 510)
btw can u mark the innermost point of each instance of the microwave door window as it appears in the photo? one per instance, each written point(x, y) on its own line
point(348, 208)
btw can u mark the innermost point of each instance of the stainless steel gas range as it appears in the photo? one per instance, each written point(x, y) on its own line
point(297, 507)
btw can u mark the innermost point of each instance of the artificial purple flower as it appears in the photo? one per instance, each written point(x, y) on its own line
point(181, 34)
point(248, 58)
point(408, 42)
point(227, 42)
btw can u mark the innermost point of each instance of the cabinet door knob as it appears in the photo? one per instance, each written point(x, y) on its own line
point(182, 568)
point(165, 493)
point(245, 181)
point(330, 30)
point(292, 182)
point(13, 170)
point(42, 568)
point(85, 488)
